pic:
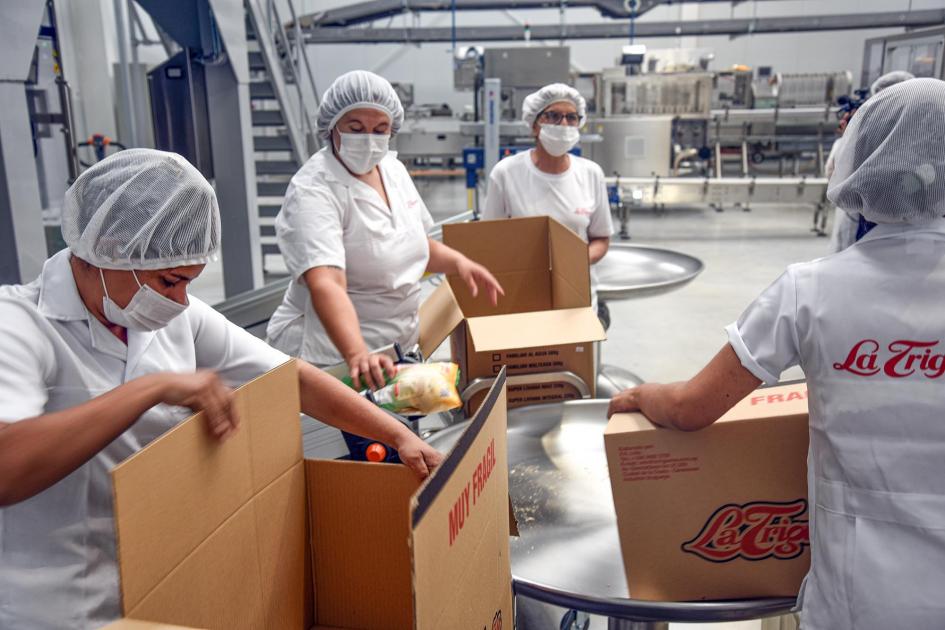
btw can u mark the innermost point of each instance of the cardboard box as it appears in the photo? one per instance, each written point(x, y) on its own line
point(544, 323)
point(719, 513)
point(248, 534)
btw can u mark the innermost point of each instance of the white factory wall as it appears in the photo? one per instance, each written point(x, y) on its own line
point(90, 52)
point(429, 66)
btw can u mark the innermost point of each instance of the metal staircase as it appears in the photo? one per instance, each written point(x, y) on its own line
point(284, 103)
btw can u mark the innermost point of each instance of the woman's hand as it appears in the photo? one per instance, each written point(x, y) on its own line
point(417, 455)
point(202, 391)
point(624, 402)
point(474, 275)
point(371, 368)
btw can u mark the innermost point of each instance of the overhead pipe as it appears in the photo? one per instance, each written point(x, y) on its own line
point(363, 12)
point(618, 30)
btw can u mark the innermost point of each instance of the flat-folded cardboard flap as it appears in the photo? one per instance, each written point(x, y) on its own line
point(532, 330)
point(460, 529)
point(439, 315)
point(570, 267)
point(189, 477)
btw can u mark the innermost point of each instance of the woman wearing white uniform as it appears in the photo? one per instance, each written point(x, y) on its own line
point(103, 353)
point(867, 325)
point(548, 181)
point(353, 232)
point(845, 226)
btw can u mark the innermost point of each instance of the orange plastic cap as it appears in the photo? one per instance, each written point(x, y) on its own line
point(376, 452)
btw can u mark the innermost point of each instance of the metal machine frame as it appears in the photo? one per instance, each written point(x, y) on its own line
point(884, 44)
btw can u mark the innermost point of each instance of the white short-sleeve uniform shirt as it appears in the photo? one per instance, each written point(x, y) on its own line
point(332, 219)
point(57, 549)
point(867, 325)
point(576, 198)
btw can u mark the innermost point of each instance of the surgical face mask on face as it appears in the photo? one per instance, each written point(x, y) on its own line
point(148, 310)
point(361, 152)
point(558, 139)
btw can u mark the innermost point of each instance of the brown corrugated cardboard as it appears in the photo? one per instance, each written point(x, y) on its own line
point(247, 534)
point(529, 330)
point(460, 532)
point(544, 323)
point(134, 624)
point(440, 314)
point(365, 584)
point(719, 513)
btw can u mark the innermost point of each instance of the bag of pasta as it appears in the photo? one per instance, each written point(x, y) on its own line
point(420, 389)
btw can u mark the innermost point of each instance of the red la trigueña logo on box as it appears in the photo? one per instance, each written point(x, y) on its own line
point(753, 531)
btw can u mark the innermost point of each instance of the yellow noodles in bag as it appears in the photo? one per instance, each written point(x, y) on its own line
point(421, 389)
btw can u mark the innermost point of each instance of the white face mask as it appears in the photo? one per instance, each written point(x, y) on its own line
point(148, 310)
point(558, 139)
point(361, 152)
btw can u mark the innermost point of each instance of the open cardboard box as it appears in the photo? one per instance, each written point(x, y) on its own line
point(720, 513)
point(544, 323)
point(248, 534)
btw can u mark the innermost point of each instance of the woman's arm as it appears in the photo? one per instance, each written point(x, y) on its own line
point(329, 400)
point(447, 260)
point(597, 249)
point(693, 404)
point(35, 453)
point(328, 287)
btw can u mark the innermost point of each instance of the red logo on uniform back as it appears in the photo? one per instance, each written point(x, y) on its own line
point(753, 531)
point(905, 357)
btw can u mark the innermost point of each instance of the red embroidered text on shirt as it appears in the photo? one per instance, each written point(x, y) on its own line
point(901, 358)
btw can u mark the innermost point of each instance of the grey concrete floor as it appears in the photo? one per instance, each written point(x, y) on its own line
point(669, 337)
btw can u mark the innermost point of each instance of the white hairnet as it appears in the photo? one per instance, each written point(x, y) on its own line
point(888, 80)
point(142, 209)
point(891, 167)
point(354, 90)
point(537, 102)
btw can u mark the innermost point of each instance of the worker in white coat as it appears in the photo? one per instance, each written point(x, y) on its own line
point(103, 353)
point(548, 180)
point(867, 327)
point(353, 232)
point(846, 228)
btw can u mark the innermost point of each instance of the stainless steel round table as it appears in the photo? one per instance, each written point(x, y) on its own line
point(633, 271)
point(568, 553)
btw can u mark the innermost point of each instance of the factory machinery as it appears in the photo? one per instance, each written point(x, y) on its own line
point(666, 131)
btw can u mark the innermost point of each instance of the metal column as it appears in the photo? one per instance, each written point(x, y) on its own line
point(22, 239)
point(235, 178)
point(231, 139)
point(492, 113)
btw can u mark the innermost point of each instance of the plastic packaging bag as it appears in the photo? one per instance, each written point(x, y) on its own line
point(421, 389)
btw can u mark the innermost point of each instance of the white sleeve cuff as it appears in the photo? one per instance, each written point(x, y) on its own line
point(312, 263)
point(744, 355)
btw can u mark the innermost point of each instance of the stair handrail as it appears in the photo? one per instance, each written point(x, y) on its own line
point(294, 45)
point(301, 52)
point(273, 43)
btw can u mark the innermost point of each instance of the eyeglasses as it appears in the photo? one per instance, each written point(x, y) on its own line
point(555, 118)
